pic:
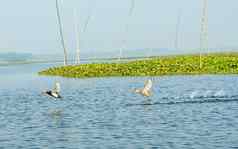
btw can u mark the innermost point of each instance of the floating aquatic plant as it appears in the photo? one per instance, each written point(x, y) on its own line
point(219, 63)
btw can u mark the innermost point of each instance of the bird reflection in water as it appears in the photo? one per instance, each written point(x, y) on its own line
point(57, 116)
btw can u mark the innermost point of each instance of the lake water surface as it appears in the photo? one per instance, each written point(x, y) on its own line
point(184, 112)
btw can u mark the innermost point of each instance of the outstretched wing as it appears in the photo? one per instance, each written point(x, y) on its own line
point(57, 87)
point(148, 85)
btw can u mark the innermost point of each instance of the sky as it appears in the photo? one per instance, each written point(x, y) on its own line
point(31, 26)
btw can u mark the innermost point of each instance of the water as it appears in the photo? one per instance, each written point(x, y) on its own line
point(184, 112)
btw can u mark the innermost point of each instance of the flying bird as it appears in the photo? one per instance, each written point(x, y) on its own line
point(54, 92)
point(146, 91)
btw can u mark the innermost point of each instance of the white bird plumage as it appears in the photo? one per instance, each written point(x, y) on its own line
point(148, 85)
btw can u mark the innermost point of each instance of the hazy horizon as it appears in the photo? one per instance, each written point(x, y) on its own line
point(31, 26)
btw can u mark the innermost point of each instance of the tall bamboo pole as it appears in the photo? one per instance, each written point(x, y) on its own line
point(61, 32)
point(77, 37)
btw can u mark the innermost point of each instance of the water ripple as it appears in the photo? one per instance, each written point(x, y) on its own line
point(184, 112)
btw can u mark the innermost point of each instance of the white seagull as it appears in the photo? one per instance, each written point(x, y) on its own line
point(146, 91)
point(54, 92)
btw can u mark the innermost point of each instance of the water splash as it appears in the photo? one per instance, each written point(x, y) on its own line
point(208, 93)
point(194, 94)
point(220, 93)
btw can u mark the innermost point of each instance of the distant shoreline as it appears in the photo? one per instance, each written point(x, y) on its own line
point(90, 60)
point(216, 63)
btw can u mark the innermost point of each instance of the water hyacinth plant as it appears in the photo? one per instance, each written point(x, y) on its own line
point(218, 63)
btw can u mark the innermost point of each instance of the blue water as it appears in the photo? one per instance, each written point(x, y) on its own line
point(184, 112)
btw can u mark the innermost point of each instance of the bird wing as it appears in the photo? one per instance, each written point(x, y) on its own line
point(57, 87)
point(148, 85)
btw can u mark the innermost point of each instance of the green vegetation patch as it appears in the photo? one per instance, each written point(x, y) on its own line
point(167, 65)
